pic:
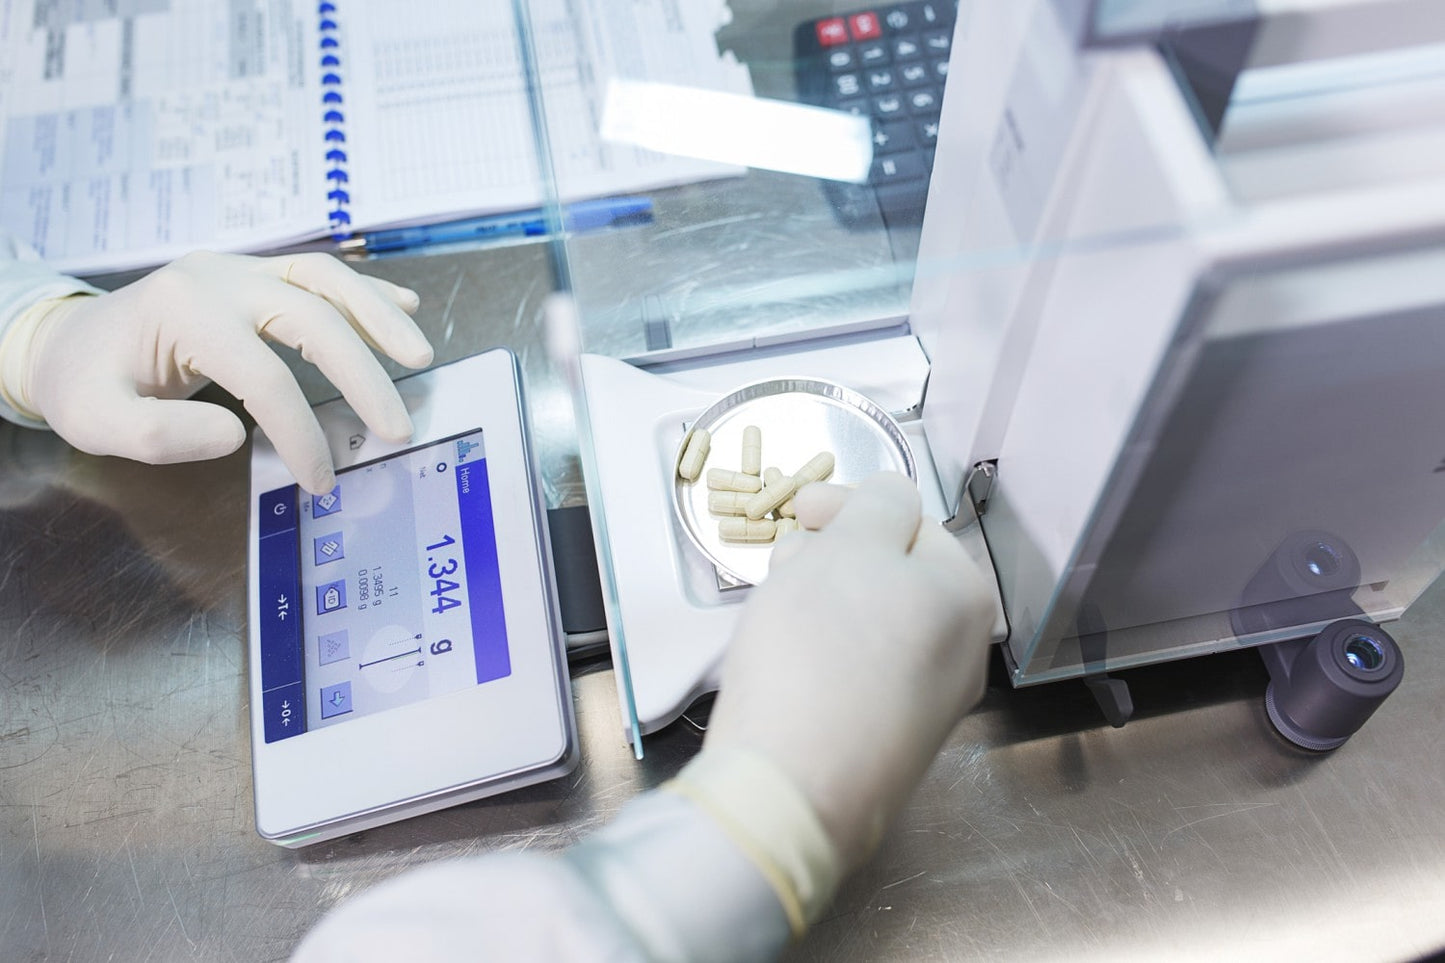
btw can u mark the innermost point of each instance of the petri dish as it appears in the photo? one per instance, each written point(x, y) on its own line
point(798, 418)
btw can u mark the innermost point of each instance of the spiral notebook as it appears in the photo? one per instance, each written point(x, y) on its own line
point(135, 132)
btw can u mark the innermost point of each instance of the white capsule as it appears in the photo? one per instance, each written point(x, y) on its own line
point(819, 467)
point(786, 526)
point(771, 476)
point(728, 503)
point(747, 529)
point(695, 454)
point(752, 450)
point(771, 497)
point(720, 479)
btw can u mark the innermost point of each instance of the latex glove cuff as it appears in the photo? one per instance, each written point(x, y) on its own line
point(771, 821)
point(16, 350)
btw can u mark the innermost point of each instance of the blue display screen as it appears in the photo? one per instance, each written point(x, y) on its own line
point(381, 593)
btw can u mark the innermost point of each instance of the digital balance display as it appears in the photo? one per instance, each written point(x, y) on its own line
point(383, 592)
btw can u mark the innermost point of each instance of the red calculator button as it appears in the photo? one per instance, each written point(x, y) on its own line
point(832, 32)
point(865, 25)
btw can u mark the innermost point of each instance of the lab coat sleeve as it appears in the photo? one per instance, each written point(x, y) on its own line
point(25, 281)
point(662, 882)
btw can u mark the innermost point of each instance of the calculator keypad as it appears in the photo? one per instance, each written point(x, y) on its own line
point(888, 63)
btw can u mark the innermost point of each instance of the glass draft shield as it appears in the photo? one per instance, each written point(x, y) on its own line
point(383, 592)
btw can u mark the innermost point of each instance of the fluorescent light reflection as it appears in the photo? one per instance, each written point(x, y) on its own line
point(737, 129)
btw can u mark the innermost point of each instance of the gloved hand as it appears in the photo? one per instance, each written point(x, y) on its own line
point(855, 658)
point(106, 372)
point(847, 669)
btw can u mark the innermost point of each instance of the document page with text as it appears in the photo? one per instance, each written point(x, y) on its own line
point(134, 131)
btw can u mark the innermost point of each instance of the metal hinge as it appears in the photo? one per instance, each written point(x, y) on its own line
point(977, 487)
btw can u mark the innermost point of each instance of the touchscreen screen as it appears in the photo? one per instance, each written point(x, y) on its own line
point(381, 593)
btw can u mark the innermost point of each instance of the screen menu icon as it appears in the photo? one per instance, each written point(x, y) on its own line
point(328, 504)
point(333, 647)
point(335, 699)
point(328, 548)
point(330, 597)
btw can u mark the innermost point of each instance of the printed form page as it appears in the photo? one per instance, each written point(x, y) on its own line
point(136, 130)
point(443, 127)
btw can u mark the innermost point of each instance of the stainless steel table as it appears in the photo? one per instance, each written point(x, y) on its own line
point(126, 827)
point(125, 812)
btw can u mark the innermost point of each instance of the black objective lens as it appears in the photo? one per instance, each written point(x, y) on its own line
point(1365, 653)
point(1322, 560)
point(1332, 683)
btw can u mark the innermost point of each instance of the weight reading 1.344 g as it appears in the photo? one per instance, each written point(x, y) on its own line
point(438, 571)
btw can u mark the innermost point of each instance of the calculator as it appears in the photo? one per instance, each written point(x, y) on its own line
point(887, 63)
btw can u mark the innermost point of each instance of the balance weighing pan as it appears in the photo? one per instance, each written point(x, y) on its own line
point(798, 418)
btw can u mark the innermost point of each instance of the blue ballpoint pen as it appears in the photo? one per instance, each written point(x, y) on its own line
point(580, 216)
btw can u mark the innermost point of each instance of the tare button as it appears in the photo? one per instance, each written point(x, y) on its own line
point(279, 582)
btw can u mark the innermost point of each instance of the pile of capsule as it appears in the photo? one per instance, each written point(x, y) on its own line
point(754, 504)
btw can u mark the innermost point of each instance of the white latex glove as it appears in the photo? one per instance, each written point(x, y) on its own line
point(107, 372)
point(856, 657)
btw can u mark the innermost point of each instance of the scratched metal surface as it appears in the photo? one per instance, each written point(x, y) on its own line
point(125, 812)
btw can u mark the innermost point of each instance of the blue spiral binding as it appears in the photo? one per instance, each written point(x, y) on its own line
point(338, 197)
